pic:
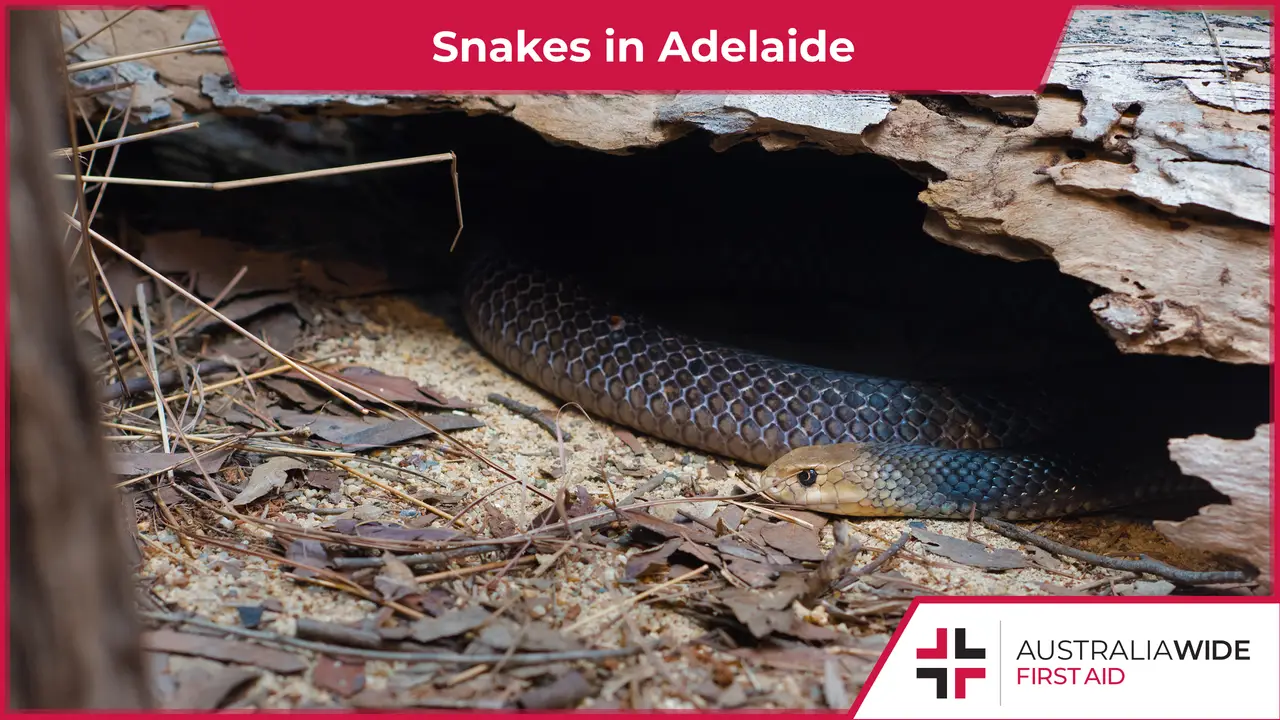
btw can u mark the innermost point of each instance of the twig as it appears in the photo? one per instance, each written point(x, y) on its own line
point(533, 658)
point(457, 199)
point(141, 289)
point(215, 386)
point(309, 629)
point(166, 379)
point(70, 152)
point(84, 230)
point(326, 576)
point(105, 26)
point(1144, 564)
point(192, 458)
point(636, 598)
point(438, 558)
point(528, 411)
point(878, 561)
point(175, 49)
point(402, 495)
point(104, 88)
point(204, 306)
point(266, 179)
point(473, 570)
point(1226, 69)
point(832, 568)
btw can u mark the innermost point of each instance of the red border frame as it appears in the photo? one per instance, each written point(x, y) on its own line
point(1011, 7)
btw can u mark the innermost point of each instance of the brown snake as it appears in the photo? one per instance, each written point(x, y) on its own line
point(834, 441)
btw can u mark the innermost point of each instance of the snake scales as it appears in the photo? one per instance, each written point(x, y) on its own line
point(837, 442)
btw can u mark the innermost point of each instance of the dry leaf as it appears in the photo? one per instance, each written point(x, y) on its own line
point(563, 693)
point(1241, 470)
point(969, 553)
point(368, 434)
point(308, 552)
point(498, 524)
point(203, 684)
point(797, 542)
point(534, 637)
point(268, 476)
point(1145, 588)
point(330, 480)
point(1045, 559)
point(395, 580)
point(450, 624)
point(642, 562)
point(236, 651)
point(143, 463)
point(769, 610)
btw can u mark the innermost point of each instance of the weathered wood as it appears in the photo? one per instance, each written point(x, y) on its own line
point(1142, 168)
point(73, 632)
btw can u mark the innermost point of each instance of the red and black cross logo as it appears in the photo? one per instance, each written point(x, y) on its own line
point(962, 674)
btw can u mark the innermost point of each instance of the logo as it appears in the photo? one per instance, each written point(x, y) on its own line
point(962, 674)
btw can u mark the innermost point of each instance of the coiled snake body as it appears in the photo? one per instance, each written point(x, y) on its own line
point(837, 442)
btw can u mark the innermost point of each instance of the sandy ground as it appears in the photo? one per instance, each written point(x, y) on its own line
point(400, 336)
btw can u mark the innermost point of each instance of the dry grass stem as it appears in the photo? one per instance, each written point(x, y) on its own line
point(205, 306)
point(101, 28)
point(68, 153)
point(104, 62)
point(627, 603)
point(215, 387)
point(268, 179)
point(473, 570)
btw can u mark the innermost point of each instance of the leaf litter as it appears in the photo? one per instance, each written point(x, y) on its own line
point(394, 540)
point(400, 570)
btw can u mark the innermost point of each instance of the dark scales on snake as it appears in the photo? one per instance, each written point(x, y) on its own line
point(835, 441)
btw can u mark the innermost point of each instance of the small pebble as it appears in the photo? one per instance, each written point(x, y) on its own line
point(250, 615)
point(409, 513)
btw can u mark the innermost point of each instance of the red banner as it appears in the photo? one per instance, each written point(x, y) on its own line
point(584, 45)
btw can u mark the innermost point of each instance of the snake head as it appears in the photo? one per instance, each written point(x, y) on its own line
point(820, 477)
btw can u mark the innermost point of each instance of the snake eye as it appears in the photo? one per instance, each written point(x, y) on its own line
point(807, 477)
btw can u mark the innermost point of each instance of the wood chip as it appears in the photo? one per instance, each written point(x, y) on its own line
point(562, 694)
point(339, 677)
point(629, 440)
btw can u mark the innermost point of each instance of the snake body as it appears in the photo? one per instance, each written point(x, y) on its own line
point(835, 441)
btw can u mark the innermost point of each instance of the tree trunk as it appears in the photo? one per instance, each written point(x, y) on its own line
point(73, 632)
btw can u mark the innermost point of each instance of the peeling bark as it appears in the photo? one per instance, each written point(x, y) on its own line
point(1241, 470)
point(1141, 168)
